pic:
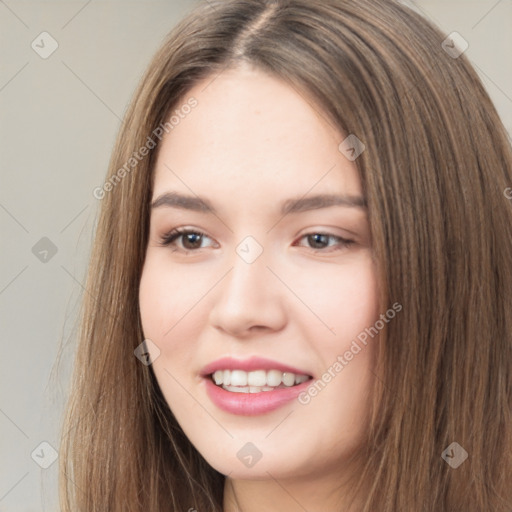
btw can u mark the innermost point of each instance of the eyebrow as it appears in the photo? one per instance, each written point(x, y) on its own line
point(293, 205)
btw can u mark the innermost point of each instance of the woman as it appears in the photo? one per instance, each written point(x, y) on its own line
point(299, 296)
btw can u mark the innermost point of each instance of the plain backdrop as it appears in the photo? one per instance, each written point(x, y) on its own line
point(58, 119)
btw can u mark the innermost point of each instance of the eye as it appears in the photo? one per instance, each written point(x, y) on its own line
point(320, 241)
point(191, 240)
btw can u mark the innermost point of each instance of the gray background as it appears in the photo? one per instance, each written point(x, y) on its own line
point(58, 120)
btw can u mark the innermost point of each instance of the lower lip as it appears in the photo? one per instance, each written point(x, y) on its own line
point(252, 404)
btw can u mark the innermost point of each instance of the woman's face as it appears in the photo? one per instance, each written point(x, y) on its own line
point(264, 290)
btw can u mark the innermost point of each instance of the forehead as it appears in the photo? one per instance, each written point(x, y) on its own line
point(253, 135)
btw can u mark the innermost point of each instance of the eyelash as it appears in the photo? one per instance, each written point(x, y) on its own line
point(169, 239)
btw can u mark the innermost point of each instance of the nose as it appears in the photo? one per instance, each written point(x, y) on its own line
point(249, 300)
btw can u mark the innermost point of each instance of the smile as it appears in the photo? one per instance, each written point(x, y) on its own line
point(240, 381)
point(257, 385)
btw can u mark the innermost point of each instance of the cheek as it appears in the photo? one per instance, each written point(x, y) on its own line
point(168, 299)
point(344, 298)
point(171, 309)
point(174, 312)
point(166, 294)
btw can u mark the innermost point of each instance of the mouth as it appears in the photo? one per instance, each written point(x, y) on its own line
point(253, 386)
point(256, 381)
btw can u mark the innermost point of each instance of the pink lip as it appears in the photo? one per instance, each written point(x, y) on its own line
point(252, 404)
point(253, 363)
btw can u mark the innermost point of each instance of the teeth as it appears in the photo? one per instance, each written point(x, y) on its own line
point(247, 389)
point(274, 377)
point(288, 379)
point(238, 378)
point(257, 378)
point(240, 381)
point(299, 379)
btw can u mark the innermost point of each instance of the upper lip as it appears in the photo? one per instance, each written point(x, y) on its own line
point(253, 363)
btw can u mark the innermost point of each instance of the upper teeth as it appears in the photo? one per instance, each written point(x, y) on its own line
point(272, 378)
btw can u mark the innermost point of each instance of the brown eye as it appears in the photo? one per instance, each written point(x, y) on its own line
point(190, 240)
point(320, 241)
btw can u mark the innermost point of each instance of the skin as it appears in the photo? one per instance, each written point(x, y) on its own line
point(251, 143)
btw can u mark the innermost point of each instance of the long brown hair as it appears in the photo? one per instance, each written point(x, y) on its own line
point(434, 172)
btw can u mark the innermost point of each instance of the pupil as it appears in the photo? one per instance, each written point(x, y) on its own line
point(192, 238)
point(317, 238)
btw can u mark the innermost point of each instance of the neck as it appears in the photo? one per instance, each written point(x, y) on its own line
point(325, 493)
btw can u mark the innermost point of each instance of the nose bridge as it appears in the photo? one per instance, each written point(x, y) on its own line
point(249, 275)
point(249, 294)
